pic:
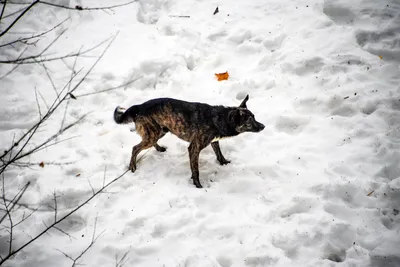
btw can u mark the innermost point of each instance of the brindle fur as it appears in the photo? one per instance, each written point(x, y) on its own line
point(197, 123)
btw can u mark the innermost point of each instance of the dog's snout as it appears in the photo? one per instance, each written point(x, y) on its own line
point(262, 126)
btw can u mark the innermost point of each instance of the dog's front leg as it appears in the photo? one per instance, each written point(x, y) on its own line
point(222, 160)
point(194, 152)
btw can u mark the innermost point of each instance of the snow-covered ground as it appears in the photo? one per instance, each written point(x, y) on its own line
point(320, 186)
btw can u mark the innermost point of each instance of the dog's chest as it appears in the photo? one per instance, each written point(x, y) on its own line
point(220, 138)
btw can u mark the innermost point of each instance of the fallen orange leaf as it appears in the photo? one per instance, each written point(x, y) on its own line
point(41, 164)
point(380, 57)
point(78, 175)
point(222, 76)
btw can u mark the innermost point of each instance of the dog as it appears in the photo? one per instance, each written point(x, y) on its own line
point(197, 123)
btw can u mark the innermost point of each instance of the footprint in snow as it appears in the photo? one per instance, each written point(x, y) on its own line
point(290, 125)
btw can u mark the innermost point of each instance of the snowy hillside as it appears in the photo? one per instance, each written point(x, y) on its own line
point(319, 186)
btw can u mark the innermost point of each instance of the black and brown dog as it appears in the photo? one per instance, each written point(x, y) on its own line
point(197, 123)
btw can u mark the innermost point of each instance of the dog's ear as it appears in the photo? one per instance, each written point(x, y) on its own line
point(243, 104)
point(234, 116)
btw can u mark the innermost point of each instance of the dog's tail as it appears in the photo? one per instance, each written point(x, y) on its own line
point(120, 116)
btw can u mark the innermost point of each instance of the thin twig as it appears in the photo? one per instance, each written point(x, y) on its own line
point(122, 261)
point(30, 59)
point(62, 219)
point(19, 17)
point(16, 198)
point(8, 213)
point(2, 10)
point(34, 128)
point(91, 186)
point(13, 13)
point(69, 89)
point(38, 105)
point(27, 164)
point(43, 65)
point(27, 217)
point(15, 67)
point(86, 8)
point(34, 36)
point(111, 88)
point(55, 205)
point(50, 138)
point(178, 16)
point(65, 233)
point(44, 100)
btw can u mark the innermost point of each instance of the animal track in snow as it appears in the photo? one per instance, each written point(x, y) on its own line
point(298, 205)
point(338, 13)
point(305, 67)
point(290, 125)
point(150, 11)
point(275, 43)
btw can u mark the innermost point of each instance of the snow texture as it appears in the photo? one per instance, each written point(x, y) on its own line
point(320, 186)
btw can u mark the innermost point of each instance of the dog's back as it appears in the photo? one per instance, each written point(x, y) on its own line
point(181, 118)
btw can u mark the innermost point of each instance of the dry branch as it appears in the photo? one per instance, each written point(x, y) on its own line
point(24, 39)
point(13, 252)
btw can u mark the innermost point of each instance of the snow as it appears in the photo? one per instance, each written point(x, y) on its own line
point(319, 186)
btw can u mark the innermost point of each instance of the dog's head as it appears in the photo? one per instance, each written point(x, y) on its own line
point(243, 119)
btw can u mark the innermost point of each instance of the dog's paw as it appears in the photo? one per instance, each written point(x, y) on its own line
point(197, 183)
point(162, 149)
point(132, 167)
point(224, 161)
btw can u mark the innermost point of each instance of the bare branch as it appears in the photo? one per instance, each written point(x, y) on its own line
point(2, 10)
point(19, 17)
point(111, 88)
point(50, 138)
point(122, 261)
point(13, 13)
point(94, 239)
point(49, 77)
point(86, 8)
point(36, 35)
point(73, 8)
point(38, 105)
point(91, 186)
point(62, 219)
point(69, 89)
point(16, 198)
point(8, 213)
point(24, 218)
point(55, 143)
point(65, 233)
point(37, 148)
point(55, 205)
point(30, 59)
point(29, 164)
point(65, 254)
point(15, 67)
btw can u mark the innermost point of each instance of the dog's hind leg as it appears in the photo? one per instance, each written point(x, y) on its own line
point(222, 160)
point(135, 152)
point(150, 133)
point(158, 147)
